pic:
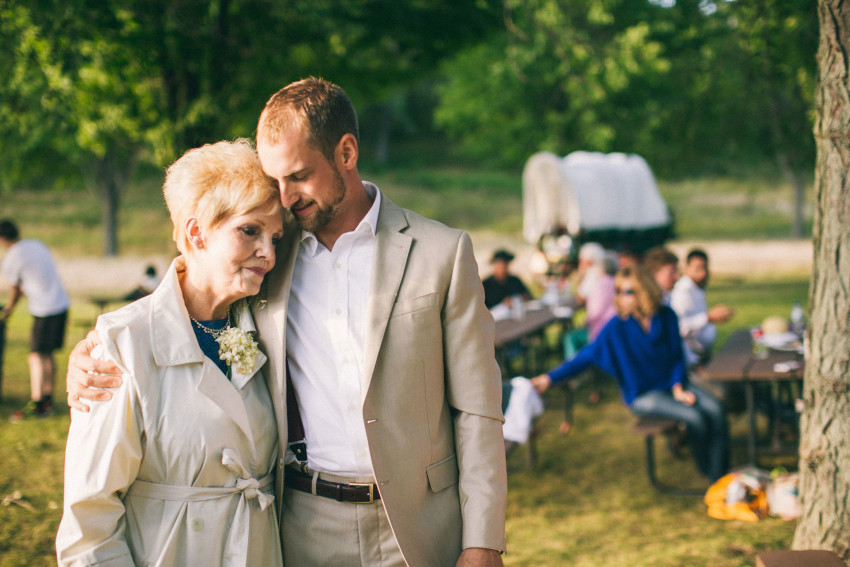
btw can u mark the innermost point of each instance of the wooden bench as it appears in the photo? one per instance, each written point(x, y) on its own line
point(649, 427)
point(531, 444)
point(801, 558)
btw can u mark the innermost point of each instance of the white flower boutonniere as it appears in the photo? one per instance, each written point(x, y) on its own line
point(237, 349)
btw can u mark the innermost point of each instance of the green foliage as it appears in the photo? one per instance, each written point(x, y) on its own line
point(696, 86)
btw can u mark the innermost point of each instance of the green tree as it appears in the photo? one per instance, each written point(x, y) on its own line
point(96, 86)
point(562, 76)
point(687, 84)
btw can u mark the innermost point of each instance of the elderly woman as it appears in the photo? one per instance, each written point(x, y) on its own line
point(178, 468)
point(642, 349)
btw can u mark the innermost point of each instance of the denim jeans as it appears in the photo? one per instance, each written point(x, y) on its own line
point(708, 433)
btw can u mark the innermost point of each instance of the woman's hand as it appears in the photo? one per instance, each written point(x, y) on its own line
point(683, 396)
point(541, 383)
point(86, 376)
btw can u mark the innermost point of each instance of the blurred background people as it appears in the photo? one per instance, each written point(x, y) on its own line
point(148, 283)
point(664, 267)
point(596, 294)
point(642, 349)
point(501, 286)
point(31, 271)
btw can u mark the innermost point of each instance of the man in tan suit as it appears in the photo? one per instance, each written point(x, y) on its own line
point(379, 315)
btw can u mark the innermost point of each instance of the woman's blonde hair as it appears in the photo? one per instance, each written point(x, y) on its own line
point(214, 182)
point(647, 291)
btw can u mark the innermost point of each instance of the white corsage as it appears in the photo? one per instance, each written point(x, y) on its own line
point(237, 349)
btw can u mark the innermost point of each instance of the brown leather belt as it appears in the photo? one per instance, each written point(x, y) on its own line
point(358, 493)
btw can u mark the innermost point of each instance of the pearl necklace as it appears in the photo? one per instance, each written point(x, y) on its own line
point(214, 333)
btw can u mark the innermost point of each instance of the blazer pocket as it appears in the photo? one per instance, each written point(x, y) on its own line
point(411, 304)
point(442, 474)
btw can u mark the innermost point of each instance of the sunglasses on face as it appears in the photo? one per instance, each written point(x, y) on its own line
point(625, 292)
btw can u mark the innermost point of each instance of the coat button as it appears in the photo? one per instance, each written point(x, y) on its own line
point(197, 524)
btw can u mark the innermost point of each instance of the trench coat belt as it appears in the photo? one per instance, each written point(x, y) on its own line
point(250, 488)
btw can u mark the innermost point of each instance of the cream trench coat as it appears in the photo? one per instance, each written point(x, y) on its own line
point(178, 469)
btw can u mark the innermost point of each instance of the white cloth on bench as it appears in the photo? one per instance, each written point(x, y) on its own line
point(524, 406)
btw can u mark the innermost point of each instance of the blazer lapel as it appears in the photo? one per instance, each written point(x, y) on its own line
point(270, 318)
point(390, 258)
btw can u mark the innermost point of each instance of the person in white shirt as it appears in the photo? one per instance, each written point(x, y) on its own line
point(29, 267)
point(696, 320)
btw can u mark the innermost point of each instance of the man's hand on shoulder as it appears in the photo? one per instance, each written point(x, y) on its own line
point(86, 376)
point(479, 557)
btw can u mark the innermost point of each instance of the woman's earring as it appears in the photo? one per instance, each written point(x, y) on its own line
point(199, 243)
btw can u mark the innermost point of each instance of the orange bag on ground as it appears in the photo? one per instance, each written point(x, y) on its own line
point(739, 495)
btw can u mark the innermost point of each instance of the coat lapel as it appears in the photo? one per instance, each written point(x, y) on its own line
point(173, 343)
point(390, 258)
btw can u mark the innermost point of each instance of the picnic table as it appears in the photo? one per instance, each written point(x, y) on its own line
point(736, 363)
point(527, 326)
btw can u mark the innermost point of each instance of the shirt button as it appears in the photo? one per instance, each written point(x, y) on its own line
point(351, 406)
point(197, 524)
point(337, 310)
point(337, 265)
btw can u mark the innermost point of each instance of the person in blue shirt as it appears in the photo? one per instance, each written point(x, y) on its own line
point(641, 348)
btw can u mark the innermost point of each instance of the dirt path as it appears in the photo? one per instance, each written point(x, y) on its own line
point(115, 276)
point(727, 258)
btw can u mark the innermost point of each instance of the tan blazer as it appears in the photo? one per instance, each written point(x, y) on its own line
point(432, 408)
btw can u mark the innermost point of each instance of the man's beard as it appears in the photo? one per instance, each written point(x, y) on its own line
point(323, 214)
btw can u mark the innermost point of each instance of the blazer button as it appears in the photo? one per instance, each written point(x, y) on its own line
point(197, 525)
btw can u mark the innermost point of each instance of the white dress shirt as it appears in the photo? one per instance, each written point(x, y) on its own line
point(325, 331)
point(689, 302)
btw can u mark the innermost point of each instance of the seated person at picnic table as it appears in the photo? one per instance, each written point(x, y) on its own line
point(148, 283)
point(696, 320)
point(596, 290)
point(502, 286)
point(179, 468)
point(642, 349)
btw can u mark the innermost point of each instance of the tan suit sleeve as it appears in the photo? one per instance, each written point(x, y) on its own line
point(473, 383)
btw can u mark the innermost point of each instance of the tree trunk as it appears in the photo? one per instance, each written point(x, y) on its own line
point(111, 197)
point(107, 176)
point(825, 428)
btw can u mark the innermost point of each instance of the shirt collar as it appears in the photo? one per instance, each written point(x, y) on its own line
point(309, 242)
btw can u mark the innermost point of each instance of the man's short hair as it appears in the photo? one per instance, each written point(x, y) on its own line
point(320, 106)
point(696, 253)
point(656, 258)
point(8, 230)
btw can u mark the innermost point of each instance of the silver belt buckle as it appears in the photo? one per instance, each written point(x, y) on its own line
point(368, 485)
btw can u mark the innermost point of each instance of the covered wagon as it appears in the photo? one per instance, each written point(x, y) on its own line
point(593, 197)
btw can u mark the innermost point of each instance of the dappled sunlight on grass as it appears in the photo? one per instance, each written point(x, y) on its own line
point(589, 501)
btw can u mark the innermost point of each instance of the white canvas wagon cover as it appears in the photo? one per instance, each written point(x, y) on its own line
point(590, 192)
